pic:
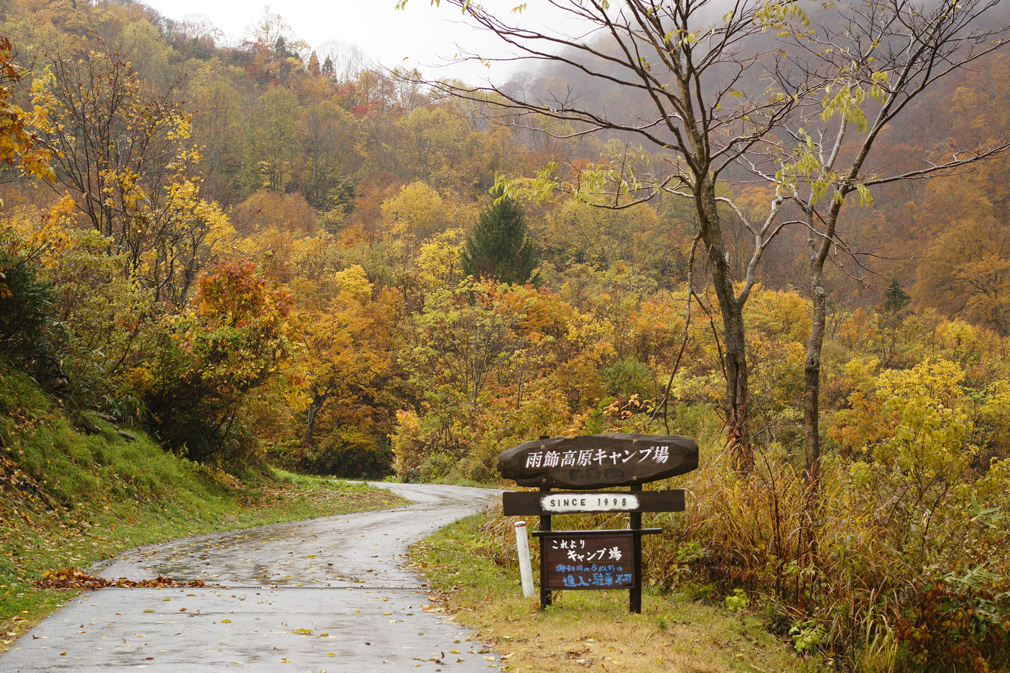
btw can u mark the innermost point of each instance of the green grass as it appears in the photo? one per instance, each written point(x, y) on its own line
point(69, 500)
point(591, 630)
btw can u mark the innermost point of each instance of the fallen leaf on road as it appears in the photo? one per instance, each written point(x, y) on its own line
point(74, 578)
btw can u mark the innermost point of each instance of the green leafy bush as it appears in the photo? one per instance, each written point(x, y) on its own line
point(348, 452)
point(958, 622)
point(26, 327)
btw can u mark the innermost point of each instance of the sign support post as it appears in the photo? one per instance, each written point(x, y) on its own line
point(545, 527)
point(635, 594)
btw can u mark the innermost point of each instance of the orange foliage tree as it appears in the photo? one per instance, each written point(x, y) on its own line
point(237, 339)
point(349, 344)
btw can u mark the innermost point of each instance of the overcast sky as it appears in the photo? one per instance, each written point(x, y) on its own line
point(421, 34)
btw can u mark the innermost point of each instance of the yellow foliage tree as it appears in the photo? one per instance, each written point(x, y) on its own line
point(20, 144)
point(348, 343)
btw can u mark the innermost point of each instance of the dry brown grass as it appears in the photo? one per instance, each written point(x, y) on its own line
point(592, 630)
point(593, 633)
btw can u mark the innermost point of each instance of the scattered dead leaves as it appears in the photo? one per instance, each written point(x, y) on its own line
point(74, 578)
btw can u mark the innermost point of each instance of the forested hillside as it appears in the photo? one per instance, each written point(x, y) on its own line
point(264, 253)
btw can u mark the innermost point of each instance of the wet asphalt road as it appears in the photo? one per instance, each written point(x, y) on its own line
point(330, 594)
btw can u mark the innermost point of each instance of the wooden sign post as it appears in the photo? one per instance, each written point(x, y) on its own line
point(595, 559)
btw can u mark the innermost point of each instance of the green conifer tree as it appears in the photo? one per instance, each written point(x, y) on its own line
point(501, 247)
point(895, 298)
point(891, 316)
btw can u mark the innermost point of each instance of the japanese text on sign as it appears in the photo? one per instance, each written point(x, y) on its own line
point(577, 550)
point(589, 562)
point(658, 454)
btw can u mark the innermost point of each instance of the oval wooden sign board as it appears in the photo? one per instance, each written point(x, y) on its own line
point(598, 461)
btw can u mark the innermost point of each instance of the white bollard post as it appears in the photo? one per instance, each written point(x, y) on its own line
point(525, 569)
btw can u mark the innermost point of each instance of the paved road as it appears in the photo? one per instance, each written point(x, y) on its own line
point(330, 594)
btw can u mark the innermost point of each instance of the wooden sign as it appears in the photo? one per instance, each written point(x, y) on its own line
point(516, 503)
point(598, 461)
point(595, 559)
point(575, 560)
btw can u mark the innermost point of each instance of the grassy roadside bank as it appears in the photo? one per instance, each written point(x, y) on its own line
point(37, 542)
point(69, 499)
point(592, 630)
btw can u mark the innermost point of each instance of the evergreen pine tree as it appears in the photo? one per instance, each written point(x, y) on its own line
point(501, 247)
point(895, 298)
point(891, 315)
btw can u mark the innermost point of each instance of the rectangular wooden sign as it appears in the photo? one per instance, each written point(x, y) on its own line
point(525, 503)
point(598, 561)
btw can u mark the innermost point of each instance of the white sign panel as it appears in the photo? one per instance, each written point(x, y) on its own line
point(594, 502)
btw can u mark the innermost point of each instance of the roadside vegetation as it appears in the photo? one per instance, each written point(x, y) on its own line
point(591, 630)
point(69, 499)
point(867, 585)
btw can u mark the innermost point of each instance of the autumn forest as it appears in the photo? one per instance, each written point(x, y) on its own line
point(262, 253)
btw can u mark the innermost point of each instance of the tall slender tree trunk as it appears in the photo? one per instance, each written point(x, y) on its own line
point(737, 390)
point(737, 401)
point(819, 244)
point(812, 375)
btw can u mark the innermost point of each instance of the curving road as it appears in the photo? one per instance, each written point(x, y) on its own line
point(330, 594)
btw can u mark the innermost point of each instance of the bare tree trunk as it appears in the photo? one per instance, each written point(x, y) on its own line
point(737, 392)
point(819, 244)
point(315, 406)
point(812, 376)
point(737, 395)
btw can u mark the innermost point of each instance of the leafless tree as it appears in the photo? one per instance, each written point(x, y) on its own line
point(870, 60)
point(707, 85)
